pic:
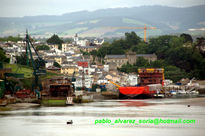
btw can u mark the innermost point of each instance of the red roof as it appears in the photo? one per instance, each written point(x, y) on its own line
point(83, 63)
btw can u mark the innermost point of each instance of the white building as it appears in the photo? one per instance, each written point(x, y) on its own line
point(132, 80)
point(87, 82)
point(57, 51)
point(82, 43)
point(49, 63)
point(98, 41)
point(106, 68)
point(67, 47)
point(102, 81)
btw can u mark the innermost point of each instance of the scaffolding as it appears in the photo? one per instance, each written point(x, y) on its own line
point(151, 76)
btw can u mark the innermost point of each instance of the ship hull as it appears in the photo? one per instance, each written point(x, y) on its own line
point(135, 92)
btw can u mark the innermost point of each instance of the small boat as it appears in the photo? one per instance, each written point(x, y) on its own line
point(183, 93)
point(70, 122)
point(173, 92)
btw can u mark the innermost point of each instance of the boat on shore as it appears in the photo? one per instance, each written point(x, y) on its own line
point(151, 83)
point(135, 92)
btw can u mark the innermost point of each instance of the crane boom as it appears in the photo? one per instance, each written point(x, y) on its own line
point(145, 29)
point(114, 84)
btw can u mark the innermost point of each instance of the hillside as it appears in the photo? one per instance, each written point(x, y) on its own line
point(166, 19)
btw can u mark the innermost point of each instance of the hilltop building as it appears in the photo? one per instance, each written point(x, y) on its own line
point(118, 60)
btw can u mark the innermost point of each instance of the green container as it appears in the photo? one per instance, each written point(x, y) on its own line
point(2, 88)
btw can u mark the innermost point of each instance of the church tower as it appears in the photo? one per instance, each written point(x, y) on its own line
point(131, 56)
point(76, 38)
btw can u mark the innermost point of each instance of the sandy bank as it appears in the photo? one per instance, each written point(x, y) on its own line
point(18, 106)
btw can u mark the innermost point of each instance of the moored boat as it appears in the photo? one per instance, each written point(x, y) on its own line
point(135, 92)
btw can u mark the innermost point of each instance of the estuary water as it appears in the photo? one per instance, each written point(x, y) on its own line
point(99, 119)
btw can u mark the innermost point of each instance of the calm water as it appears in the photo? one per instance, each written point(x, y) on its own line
point(51, 121)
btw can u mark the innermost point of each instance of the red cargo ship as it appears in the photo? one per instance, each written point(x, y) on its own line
point(150, 80)
point(135, 92)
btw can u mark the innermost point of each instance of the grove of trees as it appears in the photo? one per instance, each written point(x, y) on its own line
point(180, 56)
point(42, 47)
point(11, 38)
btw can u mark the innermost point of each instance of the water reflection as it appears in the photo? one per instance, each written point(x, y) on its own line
point(135, 103)
point(47, 121)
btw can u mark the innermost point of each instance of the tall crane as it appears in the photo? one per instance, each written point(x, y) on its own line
point(36, 86)
point(145, 29)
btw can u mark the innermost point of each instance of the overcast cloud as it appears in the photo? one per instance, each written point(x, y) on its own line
point(19, 8)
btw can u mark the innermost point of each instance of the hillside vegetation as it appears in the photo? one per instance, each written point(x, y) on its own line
point(178, 55)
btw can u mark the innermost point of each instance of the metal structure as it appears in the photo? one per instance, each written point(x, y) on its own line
point(114, 84)
point(151, 76)
point(36, 86)
point(145, 29)
point(133, 91)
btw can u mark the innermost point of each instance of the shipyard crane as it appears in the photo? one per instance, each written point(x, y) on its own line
point(114, 84)
point(145, 29)
point(36, 86)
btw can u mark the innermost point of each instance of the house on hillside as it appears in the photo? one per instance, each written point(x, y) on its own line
point(55, 46)
point(69, 70)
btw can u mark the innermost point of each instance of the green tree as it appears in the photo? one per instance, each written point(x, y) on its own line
point(200, 44)
point(174, 73)
point(184, 58)
point(140, 48)
point(84, 52)
point(94, 54)
point(55, 64)
point(2, 55)
point(141, 62)
point(187, 38)
point(131, 39)
point(201, 70)
point(162, 44)
point(158, 64)
point(22, 60)
point(103, 51)
point(55, 40)
point(11, 38)
point(42, 47)
point(127, 68)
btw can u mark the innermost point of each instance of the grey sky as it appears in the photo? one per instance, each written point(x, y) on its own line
point(19, 8)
